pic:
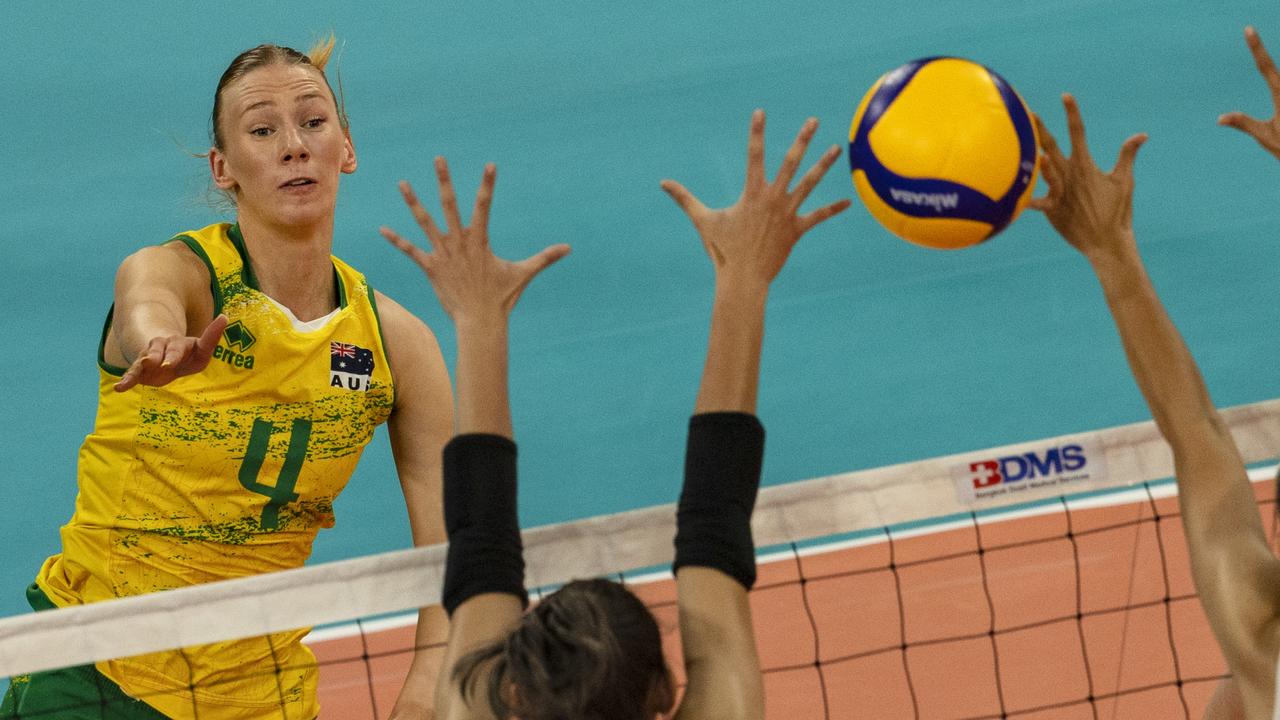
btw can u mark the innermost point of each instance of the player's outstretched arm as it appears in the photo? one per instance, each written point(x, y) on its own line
point(420, 426)
point(484, 583)
point(1265, 132)
point(160, 326)
point(748, 243)
point(1234, 571)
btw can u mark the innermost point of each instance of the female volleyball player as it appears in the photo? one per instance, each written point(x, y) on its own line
point(591, 650)
point(243, 370)
point(1235, 572)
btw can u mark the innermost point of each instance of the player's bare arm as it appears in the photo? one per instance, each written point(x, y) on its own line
point(420, 425)
point(478, 290)
point(162, 325)
point(748, 244)
point(1234, 571)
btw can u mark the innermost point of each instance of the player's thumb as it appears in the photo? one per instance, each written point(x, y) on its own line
point(208, 339)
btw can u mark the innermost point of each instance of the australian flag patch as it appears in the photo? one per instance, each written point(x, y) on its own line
point(350, 366)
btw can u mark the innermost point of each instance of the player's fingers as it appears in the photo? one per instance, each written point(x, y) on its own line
point(420, 213)
point(1050, 160)
point(1075, 130)
point(530, 267)
point(795, 153)
point(415, 253)
point(129, 378)
point(815, 174)
point(208, 339)
point(823, 214)
point(1048, 143)
point(1043, 204)
point(1248, 125)
point(1054, 178)
point(755, 150)
point(176, 350)
point(484, 200)
point(691, 205)
point(1265, 64)
point(1051, 170)
point(448, 199)
point(1128, 153)
point(149, 359)
point(535, 264)
point(153, 356)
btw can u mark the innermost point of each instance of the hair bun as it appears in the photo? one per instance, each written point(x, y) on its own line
point(589, 651)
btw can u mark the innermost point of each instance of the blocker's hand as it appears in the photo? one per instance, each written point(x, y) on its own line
point(1091, 209)
point(753, 237)
point(471, 282)
point(1266, 132)
point(169, 358)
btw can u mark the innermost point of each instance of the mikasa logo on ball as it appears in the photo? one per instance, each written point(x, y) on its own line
point(937, 201)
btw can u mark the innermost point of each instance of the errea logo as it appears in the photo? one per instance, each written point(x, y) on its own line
point(236, 336)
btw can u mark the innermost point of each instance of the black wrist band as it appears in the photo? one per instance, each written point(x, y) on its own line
point(485, 551)
point(723, 458)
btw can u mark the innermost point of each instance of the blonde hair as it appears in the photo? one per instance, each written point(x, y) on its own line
point(317, 56)
point(321, 50)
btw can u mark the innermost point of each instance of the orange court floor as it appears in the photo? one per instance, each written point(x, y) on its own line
point(1079, 612)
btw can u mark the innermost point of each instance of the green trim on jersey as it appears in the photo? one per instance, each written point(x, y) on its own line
point(386, 351)
point(340, 288)
point(195, 247)
point(102, 353)
point(38, 600)
point(74, 693)
point(250, 279)
point(246, 268)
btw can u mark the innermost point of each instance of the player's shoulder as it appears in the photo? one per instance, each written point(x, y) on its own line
point(188, 247)
point(413, 354)
point(173, 259)
point(393, 313)
point(401, 328)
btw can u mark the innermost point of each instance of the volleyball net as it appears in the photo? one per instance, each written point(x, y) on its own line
point(1045, 580)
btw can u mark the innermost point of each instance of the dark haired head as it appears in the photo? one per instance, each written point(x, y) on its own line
point(267, 54)
point(589, 651)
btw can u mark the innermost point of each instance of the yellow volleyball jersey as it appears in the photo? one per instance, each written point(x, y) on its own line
point(226, 473)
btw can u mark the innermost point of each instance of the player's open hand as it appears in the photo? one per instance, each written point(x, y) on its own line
point(471, 282)
point(1092, 209)
point(167, 358)
point(752, 238)
point(1266, 132)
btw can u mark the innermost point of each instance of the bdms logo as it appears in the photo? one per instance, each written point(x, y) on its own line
point(1052, 465)
point(1014, 468)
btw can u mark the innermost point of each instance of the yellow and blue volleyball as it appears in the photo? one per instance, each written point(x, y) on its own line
point(943, 152)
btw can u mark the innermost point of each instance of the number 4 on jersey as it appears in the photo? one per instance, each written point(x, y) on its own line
point(282, 492)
